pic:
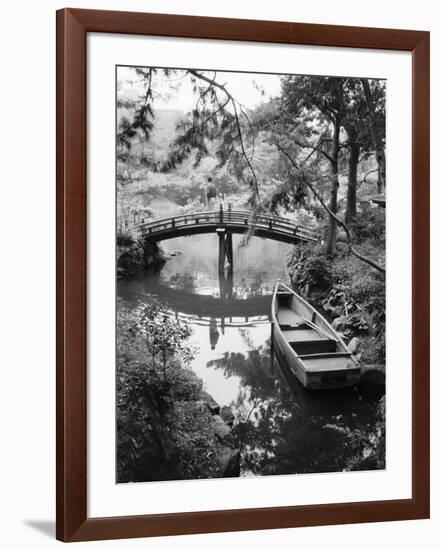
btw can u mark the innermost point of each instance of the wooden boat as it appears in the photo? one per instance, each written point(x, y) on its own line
point(307, 346)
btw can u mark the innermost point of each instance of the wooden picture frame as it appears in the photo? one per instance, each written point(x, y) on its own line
point(72, 521)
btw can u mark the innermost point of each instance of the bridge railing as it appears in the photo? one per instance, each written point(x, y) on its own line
point(226, 217)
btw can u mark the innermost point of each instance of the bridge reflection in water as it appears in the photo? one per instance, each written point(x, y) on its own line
point(215, 313)
point(201, 305)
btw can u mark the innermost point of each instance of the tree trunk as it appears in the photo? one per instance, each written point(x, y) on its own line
point(381, 161)
point(375, 136)
point(351, 198)
point(339, 222)
point(332, 234)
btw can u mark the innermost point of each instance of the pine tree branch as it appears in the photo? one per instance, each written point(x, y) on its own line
point(239, 129)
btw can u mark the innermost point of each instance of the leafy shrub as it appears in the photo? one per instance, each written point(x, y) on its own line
point(310, 267)
point(318, 271)
point(124, 239)
point(164, 429)
point(370, 225)
point(369, 289)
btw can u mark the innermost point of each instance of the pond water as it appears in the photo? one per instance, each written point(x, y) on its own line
point(279, 430)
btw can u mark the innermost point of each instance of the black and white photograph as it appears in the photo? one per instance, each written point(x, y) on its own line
point(250, 274)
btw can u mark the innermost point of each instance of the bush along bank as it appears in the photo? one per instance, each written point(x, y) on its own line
point(168, 427)
point(135, 255)
point(352, 296)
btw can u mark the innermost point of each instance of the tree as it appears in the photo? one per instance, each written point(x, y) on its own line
point(308, 95)
point(337, 220)
point(311, 115)
point(375, 94)
point(357, 128)
point(217, 117)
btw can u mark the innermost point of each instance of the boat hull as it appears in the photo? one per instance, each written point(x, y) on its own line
point(330, 366)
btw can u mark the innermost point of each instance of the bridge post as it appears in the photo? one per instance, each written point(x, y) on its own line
point(225, 263)
point(229, 263)
point(222, 252)
point(229, 248)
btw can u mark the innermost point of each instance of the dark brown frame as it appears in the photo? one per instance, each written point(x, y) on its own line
point(72, 521)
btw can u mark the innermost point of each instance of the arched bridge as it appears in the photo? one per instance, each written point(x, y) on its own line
point(231, 221)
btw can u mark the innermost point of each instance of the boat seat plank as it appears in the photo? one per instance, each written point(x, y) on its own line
point(302, 335)
point(316, 345)
point(287, 316)
point(327, 363)
point(324, 355)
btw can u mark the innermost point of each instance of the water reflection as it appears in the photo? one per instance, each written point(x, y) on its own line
point(214, 333)
point(281, 431)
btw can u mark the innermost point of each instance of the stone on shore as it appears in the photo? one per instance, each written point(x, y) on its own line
point(210, 403)
point(230, 462)
point(221, 429)
point(227, 415)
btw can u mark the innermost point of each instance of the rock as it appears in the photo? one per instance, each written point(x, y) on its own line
point(227, 415)
point(221, 429)
point(338, 429)
point(211, 404)
point(214, 409)
point(342, 237)
point(230, 463)
point(353, 345)
point(339, 323)
point(341, 247)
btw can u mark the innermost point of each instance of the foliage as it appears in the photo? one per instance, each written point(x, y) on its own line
point(217, 118)
point(317, 270)
point(370, 225)
point(130, 256)
point(143, 113)
point(370, 445)
point(124, 239)
point(161, 334)
point(347, 291)
point(310, 267)
point(164, 429)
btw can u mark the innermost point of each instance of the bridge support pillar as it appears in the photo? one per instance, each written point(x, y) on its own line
point(225, 264)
